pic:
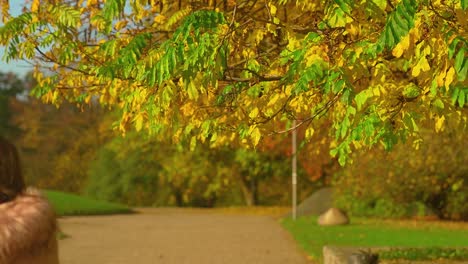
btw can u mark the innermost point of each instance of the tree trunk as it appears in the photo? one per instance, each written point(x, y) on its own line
point(250, 190)
point(178, 198)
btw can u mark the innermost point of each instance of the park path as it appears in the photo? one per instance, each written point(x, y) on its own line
point(177, 236)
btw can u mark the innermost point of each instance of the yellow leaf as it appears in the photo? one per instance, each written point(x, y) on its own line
point(427, 50)
point(309, 132)
point(356, 144)
point(353, 29)
point(401, 47)
point(90, 3)
point(449, 77)
point(440, 78)
point(254, 113)
point(193, 143)
point(159, 19)
point(376, 91)
point(139, 122)
point(187, 109)
point(192, 91)
point(382, 4)
point(439, 124)
point(273, 99)
point(416, 70)
point(35, 6)
point(422, 65)
point(121, 24)
point(272, 9)
point(294, 102)
point(255, 135)
point(288, 90)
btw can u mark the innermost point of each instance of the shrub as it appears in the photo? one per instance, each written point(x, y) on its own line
point(408, 182)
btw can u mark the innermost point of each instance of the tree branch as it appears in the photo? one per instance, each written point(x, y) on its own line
point(322, 110)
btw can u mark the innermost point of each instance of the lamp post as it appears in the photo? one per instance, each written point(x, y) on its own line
point(294, 171)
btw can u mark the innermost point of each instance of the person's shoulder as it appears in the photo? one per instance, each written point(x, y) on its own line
point(31, 204)
point(26, 222)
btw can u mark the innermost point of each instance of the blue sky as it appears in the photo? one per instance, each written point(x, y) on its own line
point(18, 67)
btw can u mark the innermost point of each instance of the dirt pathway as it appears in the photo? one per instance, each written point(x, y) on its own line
point(177, 236)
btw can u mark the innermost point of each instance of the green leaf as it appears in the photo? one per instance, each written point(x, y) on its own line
point(113, 8)
point(463, 71)
point(459, 60)
point(461, 98)
point(344, 5)
point(66, 15)
point(455, 93)
point(452, 47)
point(361, 99)
point(415, 126)
point(337, 18)
point(439, 104)
point(398, 23)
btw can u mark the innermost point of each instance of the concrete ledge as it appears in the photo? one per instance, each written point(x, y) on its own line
point(346, 255)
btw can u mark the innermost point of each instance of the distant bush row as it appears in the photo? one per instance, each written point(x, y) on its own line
point(431, 181)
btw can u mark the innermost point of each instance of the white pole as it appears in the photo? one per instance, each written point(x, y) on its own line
point(294, 171)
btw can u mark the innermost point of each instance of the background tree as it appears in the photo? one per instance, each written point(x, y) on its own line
point(56, 145)
point(10, 87)
point(141, 170)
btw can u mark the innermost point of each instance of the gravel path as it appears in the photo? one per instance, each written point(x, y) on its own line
point(177, 236)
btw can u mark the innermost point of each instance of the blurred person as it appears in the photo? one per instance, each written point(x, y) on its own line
point(28, 224)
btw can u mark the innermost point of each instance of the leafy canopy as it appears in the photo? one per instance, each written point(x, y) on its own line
point(221, 70)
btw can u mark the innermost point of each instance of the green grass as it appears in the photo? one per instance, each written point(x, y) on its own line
point(375, 233)
point(431, 253)
point(66, 204)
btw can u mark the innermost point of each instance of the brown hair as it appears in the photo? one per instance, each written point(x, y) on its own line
point(11, 178)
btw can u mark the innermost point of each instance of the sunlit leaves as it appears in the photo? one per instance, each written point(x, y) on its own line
point(439, 124)
point(382, 4)
point(460, 96)
point(240, 71)
point(398, 24)
point(66, 16)
point(411, 91)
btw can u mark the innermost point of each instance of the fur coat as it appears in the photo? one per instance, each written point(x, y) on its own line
point(28, 230)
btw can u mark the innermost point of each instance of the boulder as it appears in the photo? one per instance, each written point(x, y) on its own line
point(333, 216)
point(350, 255)
point(317, 203)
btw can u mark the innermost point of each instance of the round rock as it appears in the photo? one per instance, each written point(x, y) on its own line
point(333, 216)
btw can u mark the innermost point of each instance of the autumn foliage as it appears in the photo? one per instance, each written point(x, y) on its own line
point(224, 71)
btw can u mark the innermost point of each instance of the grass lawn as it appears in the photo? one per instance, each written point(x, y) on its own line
point(376, 233)
point(67, 204)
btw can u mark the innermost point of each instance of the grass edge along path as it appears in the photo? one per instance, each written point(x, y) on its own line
point(428, 253)
point(360, 233)
point(67, 204)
